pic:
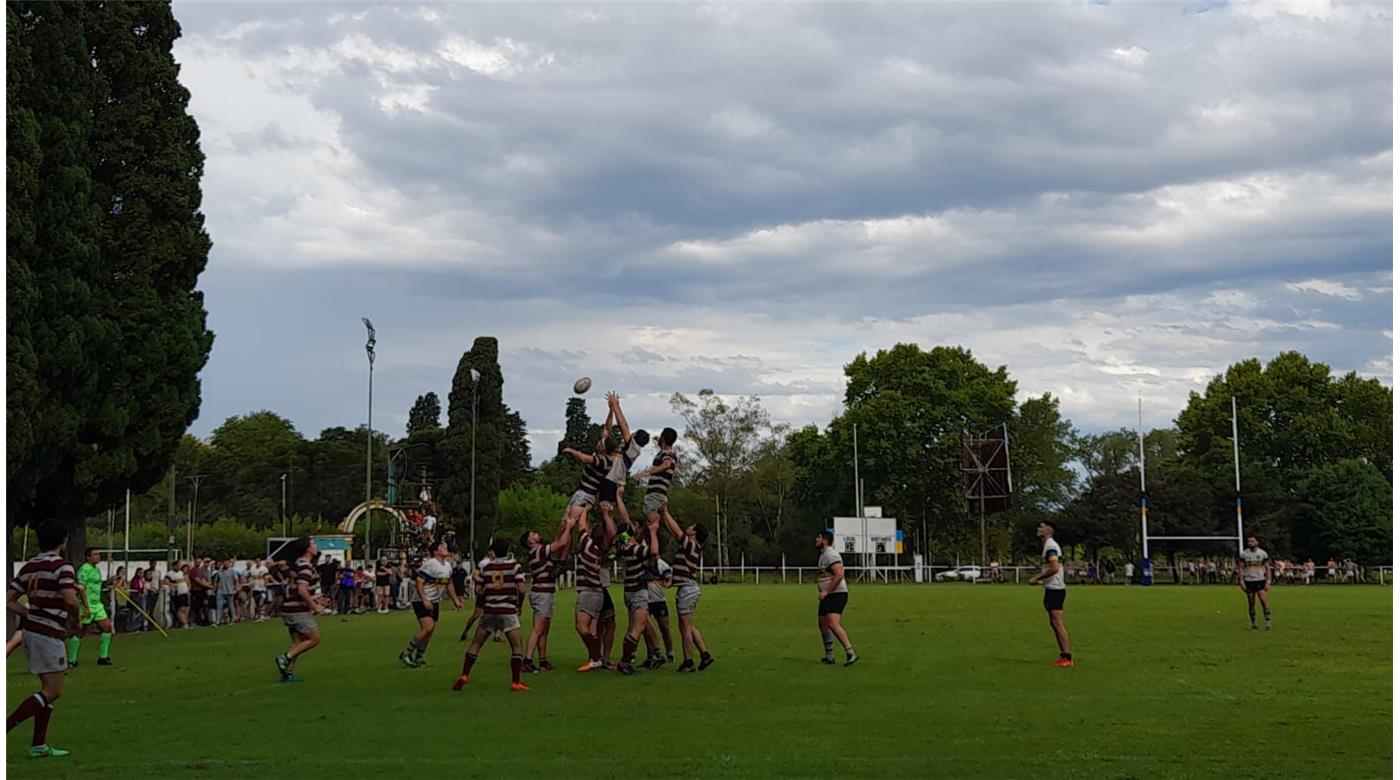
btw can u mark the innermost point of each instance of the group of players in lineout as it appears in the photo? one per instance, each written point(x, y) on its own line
point(55, 603)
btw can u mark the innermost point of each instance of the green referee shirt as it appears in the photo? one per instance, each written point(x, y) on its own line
point(91, 580)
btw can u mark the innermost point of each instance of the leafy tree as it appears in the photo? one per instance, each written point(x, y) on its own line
point(108, 327)
point(1347, 514)
point(425, 414)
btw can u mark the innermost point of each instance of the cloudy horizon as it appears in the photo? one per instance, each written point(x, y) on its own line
point(1111, 200)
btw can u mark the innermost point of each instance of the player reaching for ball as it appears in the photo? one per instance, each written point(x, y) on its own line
point(502, 590)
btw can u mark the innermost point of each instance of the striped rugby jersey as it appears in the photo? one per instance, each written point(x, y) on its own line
point(636, 554)
point(590, 560)
point(686, 562)
point(500, 591)
point(303, 573)
point(436, 576)
point(542, 572)
point(1254, 563)
point(594, 473)
point(43, 579)
point(660, 482)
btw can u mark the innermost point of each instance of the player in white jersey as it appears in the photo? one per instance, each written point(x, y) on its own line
point(1254, 577)
point(1052, 576)
point(831, 599)
point(432, 581)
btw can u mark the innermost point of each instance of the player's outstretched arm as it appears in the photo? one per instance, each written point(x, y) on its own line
point(616, 404)
point(565, 537)
point(609, 530)
point(672, 525)
point(581, 457)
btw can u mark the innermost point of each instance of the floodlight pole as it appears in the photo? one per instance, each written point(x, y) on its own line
point(860, 511)
point(1239, 502)
point(369, 445)
point(1142, 496)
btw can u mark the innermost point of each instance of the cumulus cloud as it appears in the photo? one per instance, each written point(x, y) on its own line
point(1110, 199)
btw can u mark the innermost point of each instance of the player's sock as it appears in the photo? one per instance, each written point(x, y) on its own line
point(26, 710)
point(828, 640)
point(420, 652)
point(850, 651)
point(467, 662)
point(1066, 656)
point(629, 649)
point(595, 647)
point(41, 725)
point(104, 644)
point(1268, 615)
point(516, 664)
point(74, 643)
point(1252, 619)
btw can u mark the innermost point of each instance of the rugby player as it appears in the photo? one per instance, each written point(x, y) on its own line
point(592, 597)
point(831, 599)
point(685, 568)
point(661, 616)
point(1254, 576)
point(502, 590)
point(431, 582)
point(1052, 574)
point(51, 614)
point(303, 604)
point(543, 560)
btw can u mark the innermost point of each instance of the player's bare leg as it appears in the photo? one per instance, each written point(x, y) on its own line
point(607, 632)
point(664, 627)
point(1268, 615)
point(470, 658)
point(15, 641)
point(39, 707)
point(1057, 624)
point(538, 640)
point(517, 661)
point(636, 626)
point(831, 624)
point(587, 627)
point(687, 643)
point(301, 644)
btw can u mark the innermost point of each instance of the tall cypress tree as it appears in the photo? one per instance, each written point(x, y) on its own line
point(115, 324)
point(425, 414)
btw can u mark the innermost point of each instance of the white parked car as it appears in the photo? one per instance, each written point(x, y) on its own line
point(965, 573)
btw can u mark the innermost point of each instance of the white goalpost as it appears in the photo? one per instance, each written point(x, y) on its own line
point(1238, 538)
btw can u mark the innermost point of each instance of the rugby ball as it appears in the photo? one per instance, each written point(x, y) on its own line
point(582, 385)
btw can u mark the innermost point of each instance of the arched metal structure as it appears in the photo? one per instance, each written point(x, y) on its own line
point(347, 526)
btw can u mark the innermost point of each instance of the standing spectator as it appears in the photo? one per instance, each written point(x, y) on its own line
point(257, 588)
point(152, 595)
point(200, 589)
point(1332, 569)
point(177, 584)
point(277, 585)
point(381, 585)
point(367, 590)
point(1351, 570)
point(227, 593)
point(346, 593)
point(404, 583)
point(136, 592)
point(1309, 570)
point(1212, 572)
point(330, 579)
point(1128, 573)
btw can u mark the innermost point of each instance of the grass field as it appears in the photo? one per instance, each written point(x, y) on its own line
point(955, 680)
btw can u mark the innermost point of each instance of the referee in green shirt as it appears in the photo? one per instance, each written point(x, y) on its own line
point(92, 610)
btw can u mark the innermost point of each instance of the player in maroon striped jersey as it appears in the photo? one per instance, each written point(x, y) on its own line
point(544, 568)
point(685, 568)
point(593, 547)
point(502, 591)
point(49, 585)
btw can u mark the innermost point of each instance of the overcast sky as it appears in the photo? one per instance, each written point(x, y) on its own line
point(1109, 199)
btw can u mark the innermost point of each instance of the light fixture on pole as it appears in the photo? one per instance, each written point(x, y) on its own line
point(476, 377)
point(369, 437)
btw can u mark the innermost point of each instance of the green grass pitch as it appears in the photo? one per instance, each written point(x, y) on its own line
point(955, 681)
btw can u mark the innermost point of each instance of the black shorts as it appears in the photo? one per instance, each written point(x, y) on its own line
point(833, 604)
point(421, 611)
point(381, 582)
point(658, 609)
point(607, 491)
point(1054, 599)
point(1254, 586)
point(182, 600)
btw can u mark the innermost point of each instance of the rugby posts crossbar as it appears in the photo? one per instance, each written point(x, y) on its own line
point(1193, 538)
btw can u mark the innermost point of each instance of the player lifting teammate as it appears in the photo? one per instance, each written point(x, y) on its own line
point(94, 612)
point(49, 585)
point(636, 559)
point(1254, 576)
point(502, 589)
point(832, 594)
point(431, 582)
point(589, 584)
point(685, 568)
point(544, 568)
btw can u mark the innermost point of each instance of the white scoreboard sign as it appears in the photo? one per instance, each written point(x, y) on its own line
point(860, 535)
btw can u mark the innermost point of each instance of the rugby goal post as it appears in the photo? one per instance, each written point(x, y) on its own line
point(1238, 538)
